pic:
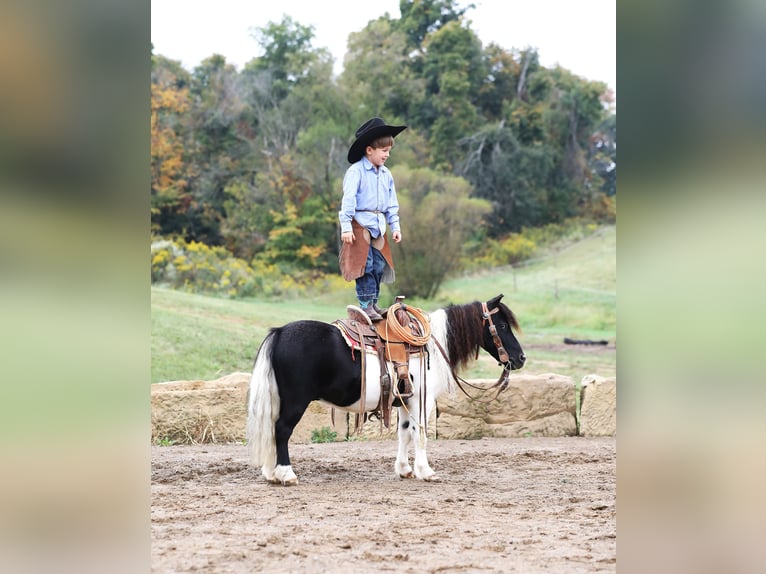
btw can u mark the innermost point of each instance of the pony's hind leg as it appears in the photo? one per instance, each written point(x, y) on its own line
point(284, 475)
point(267, 469)
point(403, 468)
point(283, 429)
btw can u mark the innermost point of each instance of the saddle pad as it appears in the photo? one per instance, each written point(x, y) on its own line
point(353, 344)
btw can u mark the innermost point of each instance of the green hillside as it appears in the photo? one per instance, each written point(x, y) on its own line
point(569, 292)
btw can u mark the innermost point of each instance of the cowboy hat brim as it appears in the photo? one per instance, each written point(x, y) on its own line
point(356, 151)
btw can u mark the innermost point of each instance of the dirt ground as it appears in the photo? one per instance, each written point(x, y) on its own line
point(502, 505)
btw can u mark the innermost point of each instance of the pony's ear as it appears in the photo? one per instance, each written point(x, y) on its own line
point(494, 302)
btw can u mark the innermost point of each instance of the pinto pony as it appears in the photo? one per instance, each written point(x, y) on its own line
point(305, 361)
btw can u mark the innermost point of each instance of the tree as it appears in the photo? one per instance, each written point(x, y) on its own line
point(529, 64)
point(253, 160)
point(516, 179)
point(298, 226)
point(288, 56)
point(437, 217)
point(574, 111)
point(533, 164)
point(454, 72)
point(285, 83)
point(377, 75)
point(301, 116)
point(170, 171)
point(423, 17)
point(501, 78)
point(220, 146)
point(602, 155)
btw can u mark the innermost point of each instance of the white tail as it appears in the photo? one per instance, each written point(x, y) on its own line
point(263, 408)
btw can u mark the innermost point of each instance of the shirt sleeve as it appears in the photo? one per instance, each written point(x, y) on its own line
point(348, 205)
point(392, 213)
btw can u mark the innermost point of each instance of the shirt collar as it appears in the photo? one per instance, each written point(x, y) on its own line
point(367, 164)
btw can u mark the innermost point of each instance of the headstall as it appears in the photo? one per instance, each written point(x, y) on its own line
point(501, 352)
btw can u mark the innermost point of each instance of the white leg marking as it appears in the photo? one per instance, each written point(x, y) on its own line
point(268, 473)
point(285, 475)
point(422, 469)
point(402, 467)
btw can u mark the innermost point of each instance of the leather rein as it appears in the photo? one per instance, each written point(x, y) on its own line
point(502, 382)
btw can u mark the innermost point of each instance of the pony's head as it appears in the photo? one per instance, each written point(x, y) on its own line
point(499, 340)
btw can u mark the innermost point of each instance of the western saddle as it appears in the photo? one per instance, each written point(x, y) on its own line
point(404, 332)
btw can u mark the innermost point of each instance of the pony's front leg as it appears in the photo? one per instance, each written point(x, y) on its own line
point(403, 468)
point(423, 470)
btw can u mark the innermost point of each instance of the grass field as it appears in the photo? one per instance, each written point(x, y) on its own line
point(567, 293)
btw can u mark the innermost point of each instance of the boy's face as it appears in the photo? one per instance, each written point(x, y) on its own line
point(378, 156)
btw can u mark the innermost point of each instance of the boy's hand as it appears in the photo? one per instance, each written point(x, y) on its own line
point(397, 236)
point(347, 237)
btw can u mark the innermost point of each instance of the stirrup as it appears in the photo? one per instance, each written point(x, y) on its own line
point(406, 393)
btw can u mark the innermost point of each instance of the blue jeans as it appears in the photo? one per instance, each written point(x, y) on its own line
point(368, 285)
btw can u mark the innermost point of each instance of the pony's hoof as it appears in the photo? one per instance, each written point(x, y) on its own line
point(407, 475)
point(432, 478)
point(285, 476)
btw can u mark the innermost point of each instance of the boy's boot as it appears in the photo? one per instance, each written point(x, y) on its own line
point(378, 310)
point(369, 308)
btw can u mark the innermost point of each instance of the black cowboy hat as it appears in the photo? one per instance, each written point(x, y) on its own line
point(369, 131)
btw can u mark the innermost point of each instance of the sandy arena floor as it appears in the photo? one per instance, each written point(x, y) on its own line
point(502, 505)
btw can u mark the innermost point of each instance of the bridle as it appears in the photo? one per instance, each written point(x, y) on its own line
point(487, 319)
point(502, 354)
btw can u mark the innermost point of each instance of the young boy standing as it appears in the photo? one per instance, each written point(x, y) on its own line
point(369, 203)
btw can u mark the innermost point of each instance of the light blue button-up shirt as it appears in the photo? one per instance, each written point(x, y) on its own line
point(369, 196)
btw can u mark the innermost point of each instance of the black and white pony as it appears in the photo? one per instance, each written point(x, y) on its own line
point(304, 361)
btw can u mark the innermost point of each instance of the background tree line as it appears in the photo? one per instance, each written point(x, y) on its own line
point(252, 160)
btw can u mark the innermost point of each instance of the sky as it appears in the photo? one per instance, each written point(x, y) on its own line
point(579, 35)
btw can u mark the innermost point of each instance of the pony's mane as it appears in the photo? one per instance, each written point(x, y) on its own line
point(465, 331)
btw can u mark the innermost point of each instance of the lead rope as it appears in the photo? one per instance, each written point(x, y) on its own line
point(502, 382)
point(423, 411)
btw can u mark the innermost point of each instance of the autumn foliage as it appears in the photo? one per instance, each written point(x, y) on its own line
point(249, 163)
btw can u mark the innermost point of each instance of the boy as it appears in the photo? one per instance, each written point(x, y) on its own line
point(369, 202)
